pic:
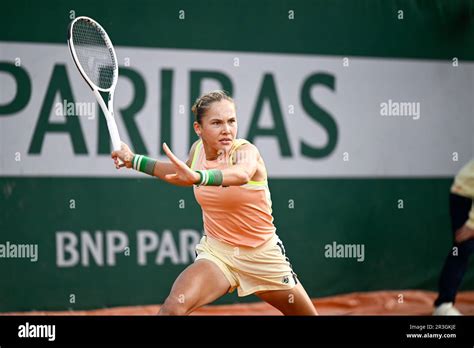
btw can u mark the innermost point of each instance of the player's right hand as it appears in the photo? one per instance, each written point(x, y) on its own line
point(464, 233)
point(125, 155)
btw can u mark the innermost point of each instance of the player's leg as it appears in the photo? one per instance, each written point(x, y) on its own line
point(200, 283)
point(456, 263)
point(290, 302)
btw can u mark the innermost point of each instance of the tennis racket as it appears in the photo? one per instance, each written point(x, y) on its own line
point(95, 58)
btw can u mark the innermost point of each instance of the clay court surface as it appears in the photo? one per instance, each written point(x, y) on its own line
point(415, 302)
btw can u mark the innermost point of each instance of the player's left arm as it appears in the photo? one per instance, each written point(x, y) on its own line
point(246, 162)
point(245, 167)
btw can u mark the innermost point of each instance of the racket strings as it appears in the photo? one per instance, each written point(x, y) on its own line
point(94, 54)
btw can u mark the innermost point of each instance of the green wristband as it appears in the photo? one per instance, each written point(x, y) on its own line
point(143, 164)
point(200, 177)
point(213, 177)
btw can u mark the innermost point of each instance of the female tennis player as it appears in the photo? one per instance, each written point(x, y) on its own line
point(240, 248)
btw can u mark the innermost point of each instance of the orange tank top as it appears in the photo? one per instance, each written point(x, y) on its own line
point(237, 215)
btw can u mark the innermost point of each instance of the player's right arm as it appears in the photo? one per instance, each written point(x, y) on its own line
point(160, 170)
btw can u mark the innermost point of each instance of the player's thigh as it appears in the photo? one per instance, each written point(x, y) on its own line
point(290, 302)
point(200, 283)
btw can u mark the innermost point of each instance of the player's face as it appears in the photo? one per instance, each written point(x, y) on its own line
point(219, 125)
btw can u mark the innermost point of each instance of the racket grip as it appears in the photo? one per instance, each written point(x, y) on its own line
point(111, 125)
point(114, 135)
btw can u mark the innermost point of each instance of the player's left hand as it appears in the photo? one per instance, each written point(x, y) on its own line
point(184, 176)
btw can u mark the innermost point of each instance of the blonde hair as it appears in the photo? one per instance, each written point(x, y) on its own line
point(203, 103)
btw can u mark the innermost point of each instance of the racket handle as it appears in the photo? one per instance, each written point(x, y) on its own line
point(114, 135)
point(111, 125)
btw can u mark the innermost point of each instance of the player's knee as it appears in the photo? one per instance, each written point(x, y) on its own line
point(173, 306)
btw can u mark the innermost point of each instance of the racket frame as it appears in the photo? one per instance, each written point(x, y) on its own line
point(106, 109)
